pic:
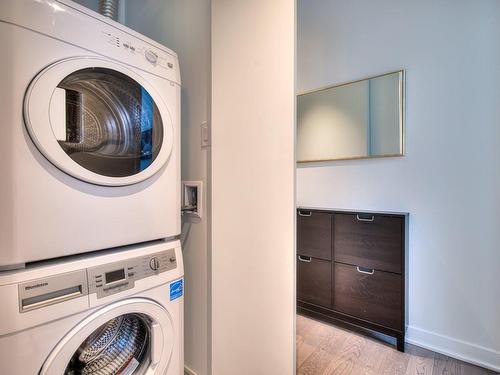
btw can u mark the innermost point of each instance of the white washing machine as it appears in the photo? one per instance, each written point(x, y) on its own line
point(89, 135)
point(112, 312)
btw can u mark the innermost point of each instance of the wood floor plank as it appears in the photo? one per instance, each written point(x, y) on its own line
point(420, 366)
point(303, 324)
point(372, 358)
point(395, 363)
point(316, 333)
point(323, 349)
point(345, 361)
point(298, 340)
point(475, 370)
point(303, 353)
point(444, 365)
point(319, 359)
point(421, 361)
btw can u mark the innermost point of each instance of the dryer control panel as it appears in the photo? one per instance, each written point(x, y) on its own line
point(137, 51)
point(116, 277)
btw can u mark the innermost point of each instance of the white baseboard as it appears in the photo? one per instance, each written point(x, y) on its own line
point(188, 371)
point(465, 351)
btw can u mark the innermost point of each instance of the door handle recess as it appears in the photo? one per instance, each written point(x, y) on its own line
point(156, 343)
point(367, 219)
point(57, 113)
point(305, 213)
point(305, 259)
point(366, 271)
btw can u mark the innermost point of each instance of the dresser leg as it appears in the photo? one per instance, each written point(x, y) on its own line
point(400, 343)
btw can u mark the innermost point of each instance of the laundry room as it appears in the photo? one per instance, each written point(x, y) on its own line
point(256, 187)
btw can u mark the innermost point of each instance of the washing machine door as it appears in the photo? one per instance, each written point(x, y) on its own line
point(134, 336)
point(99, 121)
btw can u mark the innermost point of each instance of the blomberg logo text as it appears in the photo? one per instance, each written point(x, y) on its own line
point(28, 287)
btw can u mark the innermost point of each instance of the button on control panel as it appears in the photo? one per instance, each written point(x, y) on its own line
point(120, 276)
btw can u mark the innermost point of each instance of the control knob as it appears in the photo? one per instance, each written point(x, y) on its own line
point(151, 56)
point(154, 264)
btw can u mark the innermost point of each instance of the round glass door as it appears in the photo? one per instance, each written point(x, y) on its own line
point(99, 121)
point(108, 123)
point(132, 336)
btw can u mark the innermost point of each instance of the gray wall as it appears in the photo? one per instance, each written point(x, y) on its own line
point(184, 26)
point(92, 4)
point(449, 181)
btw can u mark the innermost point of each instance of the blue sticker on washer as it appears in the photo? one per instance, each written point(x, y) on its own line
point(176, 289)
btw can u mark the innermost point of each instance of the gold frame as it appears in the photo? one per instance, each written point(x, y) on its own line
point(402, 114)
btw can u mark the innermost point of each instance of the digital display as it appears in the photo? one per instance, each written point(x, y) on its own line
point(113, 276)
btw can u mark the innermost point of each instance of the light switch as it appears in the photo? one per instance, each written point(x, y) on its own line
point(205, 134)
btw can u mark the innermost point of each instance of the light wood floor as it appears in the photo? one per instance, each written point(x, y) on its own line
point(323, 349)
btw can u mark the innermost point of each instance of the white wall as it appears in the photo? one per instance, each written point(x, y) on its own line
point(449, 181)
point(184, 26)
point(253, 187)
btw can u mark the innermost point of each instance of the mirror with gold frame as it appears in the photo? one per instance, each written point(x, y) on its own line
point(354, 120)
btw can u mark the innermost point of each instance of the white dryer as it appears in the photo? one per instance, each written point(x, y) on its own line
point(113, 312)
point(89, 136)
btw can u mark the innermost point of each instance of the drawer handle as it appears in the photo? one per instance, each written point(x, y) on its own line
point(366, 271)
point(367, 219)
point(305, 213)
point(305, 259)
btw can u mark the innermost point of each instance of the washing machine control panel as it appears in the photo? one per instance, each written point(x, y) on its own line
point(116, 277)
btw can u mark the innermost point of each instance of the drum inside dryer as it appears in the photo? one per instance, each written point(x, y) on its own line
point(113, 126)
point(120, 346)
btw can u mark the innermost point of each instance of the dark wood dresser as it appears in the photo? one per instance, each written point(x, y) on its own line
point(351, 268)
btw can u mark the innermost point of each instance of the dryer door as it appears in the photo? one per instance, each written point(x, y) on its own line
point(133, 336)
point(99, 121)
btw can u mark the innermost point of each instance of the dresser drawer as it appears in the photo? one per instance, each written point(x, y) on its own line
point(314, 281)
point(371, 241)
point(375, 297)
point(314, 234)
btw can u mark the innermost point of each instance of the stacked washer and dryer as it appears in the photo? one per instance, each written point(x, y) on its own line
point(91, 271)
